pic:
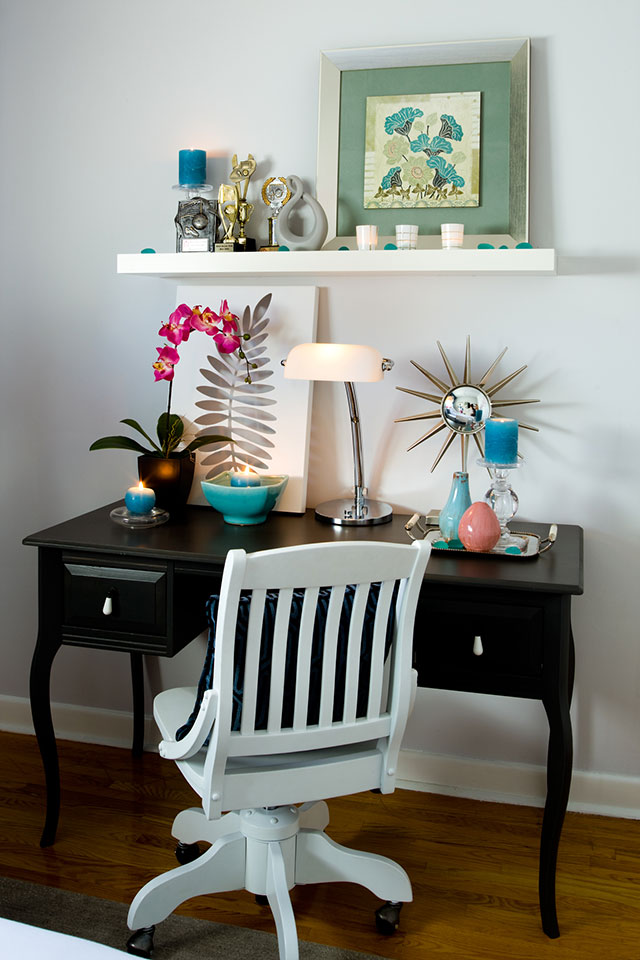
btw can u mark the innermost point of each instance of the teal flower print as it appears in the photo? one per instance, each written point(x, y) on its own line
point(392, 179)
point(402, 121)
point(449, 128)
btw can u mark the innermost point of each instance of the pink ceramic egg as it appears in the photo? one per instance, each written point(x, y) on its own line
point(479, 528)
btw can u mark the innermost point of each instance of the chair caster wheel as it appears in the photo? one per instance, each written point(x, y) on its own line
point(388, 918)
point(261, 900)
point(140, 943)
point(187, 852)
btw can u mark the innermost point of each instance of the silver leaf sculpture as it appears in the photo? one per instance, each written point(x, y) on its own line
point(237, 408)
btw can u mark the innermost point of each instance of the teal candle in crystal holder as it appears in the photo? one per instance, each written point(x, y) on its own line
point(501, 440)
point(192, 167)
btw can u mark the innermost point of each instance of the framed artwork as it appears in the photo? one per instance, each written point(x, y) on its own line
point(268, 418)
point(369, 95)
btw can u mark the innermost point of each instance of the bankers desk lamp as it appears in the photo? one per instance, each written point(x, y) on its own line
point(348, 363)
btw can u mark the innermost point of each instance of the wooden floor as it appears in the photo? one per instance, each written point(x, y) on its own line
point(473, 865)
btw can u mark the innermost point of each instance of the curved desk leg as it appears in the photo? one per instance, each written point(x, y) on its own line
point(137, 687)
point(39, 691)
point(556, 700)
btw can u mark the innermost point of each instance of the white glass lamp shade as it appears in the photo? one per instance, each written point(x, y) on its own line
point(350, 362)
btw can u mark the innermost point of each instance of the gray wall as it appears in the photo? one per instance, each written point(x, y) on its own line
point(97, 99)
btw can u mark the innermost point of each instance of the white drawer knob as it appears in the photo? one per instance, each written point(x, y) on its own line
point(107, 608)
point(477, 646)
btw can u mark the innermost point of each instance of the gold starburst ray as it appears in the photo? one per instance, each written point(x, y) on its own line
point(419, 416)
point(467, 360)
point(464, 442)
point(417, 393)
point(450, 370)
point(495, 363)
point(430, 376)
point(527, 426)
point(430, 433)
point(445, 446)
point(503, 383)
point(478, 441)
point(510, 403)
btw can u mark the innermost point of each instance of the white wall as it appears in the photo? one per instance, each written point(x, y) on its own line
point(97, 98)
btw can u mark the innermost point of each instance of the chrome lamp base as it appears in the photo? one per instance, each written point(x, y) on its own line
point(350, 513)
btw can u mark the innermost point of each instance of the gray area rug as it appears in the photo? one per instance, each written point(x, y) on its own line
point(177, 938)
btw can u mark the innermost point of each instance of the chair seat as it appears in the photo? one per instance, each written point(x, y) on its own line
point(353, 770)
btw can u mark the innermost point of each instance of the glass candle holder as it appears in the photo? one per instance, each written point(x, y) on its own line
point(367, 236)
point(452, 235)
point(504, 502)
point(407, 236)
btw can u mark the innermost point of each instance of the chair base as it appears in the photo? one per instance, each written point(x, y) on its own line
point(266, 851)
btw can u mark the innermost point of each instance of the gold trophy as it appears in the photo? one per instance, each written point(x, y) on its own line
point(275, 193)
point(228, 204)
point(241, 173)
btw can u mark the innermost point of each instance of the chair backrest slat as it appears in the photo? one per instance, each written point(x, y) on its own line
point(303, 664)
point(380, 627)
point(354, 648)
point(278, 659)
point(329, 653)
point(252, 662)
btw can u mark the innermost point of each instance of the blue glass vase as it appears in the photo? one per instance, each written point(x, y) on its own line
point(459, 500)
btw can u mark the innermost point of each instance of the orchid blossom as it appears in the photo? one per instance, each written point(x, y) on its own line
point(167, 359)
point(170, 429)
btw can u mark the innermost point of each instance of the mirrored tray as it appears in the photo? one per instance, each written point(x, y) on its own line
point(531, 545)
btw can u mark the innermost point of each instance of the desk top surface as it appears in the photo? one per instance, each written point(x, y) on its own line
point(201, 536)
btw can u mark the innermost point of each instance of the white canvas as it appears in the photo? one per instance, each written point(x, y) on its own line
point(269, 419)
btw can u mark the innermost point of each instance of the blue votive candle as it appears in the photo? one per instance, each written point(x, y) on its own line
point(192, 167)
point(139, 500)
point(501, 440)
point(245, 478)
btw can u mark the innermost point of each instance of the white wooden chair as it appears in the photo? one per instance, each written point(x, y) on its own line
point(267, 843)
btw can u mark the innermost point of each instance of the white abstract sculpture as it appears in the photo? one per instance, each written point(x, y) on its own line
point(316, 234)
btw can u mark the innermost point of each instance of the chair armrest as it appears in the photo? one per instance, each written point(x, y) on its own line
point(194, 740)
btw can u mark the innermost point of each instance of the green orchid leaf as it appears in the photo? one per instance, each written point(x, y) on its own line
point(170, 429)
point(136, 426)
point(118, 443)
point(207, 438)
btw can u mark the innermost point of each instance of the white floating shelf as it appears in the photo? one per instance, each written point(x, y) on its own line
point(325, 263)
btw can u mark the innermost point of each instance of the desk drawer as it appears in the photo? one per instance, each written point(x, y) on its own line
point(115, 599)
point(510, 641)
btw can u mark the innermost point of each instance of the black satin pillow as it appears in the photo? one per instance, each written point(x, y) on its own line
point(313, 710)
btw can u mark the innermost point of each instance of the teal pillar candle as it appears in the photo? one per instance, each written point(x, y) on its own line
point(192, 167)
point(139, 500)
point(501, 440)
point(244, 478)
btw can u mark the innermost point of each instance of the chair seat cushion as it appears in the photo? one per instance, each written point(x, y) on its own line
point(262, 709)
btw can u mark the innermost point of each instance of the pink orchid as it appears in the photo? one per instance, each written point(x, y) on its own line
point(167, 359)
point(178, 326)
point(205, 320)
point(226, 342)
point(229, 320)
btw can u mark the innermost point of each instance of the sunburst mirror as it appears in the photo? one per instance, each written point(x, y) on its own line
point(464, 405)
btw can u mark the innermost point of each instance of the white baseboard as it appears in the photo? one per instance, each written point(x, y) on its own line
point(598, 793)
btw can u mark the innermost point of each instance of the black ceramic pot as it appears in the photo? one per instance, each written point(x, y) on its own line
point(169, 477)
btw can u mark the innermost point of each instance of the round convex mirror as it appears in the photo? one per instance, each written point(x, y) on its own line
point(466, 408)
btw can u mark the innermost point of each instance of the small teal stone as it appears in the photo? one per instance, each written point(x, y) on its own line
point(524, 246)
point(513, 550)
point(441, 545)
point(343, 248)
point(148, 250)
point(390, 246)
point(486, 246)
point(456, 545)
point(503, 246)
point(283, 248)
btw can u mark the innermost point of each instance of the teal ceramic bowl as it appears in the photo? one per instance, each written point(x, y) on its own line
point(243, 505)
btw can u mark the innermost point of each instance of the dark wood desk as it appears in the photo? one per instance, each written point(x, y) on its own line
point(159, 579)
